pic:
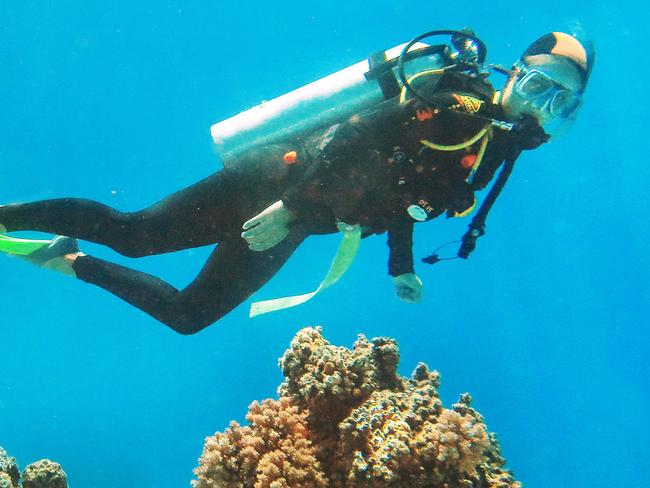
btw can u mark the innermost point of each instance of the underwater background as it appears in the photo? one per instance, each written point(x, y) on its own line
point(546, 325)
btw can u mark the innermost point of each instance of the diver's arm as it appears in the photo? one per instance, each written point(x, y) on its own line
point(408, 286)
point(400, 245)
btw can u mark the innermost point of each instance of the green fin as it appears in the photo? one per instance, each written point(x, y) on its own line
point(48, 254)
point(21, 247)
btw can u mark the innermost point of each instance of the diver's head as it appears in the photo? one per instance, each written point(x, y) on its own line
point(548, 81)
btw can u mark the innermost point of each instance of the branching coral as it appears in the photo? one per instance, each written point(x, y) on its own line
point(274, 451)
point(41, 474)
point(346, 419)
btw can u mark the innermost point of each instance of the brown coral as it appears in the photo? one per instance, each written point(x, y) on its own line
point(327, 380)
point(346, 419)
point(274, 451)
point(41, 474)
point(44, 474)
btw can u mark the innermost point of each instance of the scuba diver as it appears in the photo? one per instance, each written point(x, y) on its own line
point(436, 137)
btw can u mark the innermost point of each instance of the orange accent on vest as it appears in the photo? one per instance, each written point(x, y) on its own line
point(468, 160)
point(290, 158)
point(424, 114)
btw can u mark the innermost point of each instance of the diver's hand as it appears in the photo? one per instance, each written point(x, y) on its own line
point(409, 287)
point(528, 134)
point(268, 228)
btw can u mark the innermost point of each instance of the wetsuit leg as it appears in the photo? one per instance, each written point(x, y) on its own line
point(232, 273)
point(195, 216)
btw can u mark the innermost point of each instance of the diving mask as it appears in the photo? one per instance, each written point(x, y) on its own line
point(545, 94)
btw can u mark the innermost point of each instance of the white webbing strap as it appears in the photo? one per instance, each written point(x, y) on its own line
point(345, 255)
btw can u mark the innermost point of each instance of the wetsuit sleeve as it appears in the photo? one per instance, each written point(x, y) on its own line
point(400, 244)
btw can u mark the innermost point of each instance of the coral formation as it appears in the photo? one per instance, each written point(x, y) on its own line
point(44, 474)
point(275, 449)
point(5, 481)
point(346, 419)
point(9, 469)
point(41, 474)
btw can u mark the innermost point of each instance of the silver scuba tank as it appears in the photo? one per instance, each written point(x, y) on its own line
point(324, 102)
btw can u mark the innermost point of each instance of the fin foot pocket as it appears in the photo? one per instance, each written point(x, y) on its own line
point(49, 254)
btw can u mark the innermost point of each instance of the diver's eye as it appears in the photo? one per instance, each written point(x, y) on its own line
point(534, 85)
point(564, 104)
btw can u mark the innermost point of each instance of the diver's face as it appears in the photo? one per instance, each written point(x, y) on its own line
point(546, 87)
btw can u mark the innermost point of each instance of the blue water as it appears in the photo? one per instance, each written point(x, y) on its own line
point(546, 325)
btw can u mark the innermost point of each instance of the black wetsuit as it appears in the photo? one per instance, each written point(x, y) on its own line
point(365, 171)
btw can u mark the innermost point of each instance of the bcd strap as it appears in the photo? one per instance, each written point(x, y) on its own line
point(385, 77)
point(342, 261)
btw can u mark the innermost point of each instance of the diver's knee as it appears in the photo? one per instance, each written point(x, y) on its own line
point(131, 234)
point(184, 330)
point(189, 324)
point(130, 241)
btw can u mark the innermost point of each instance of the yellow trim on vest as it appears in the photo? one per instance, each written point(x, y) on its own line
point(479, 156)
point(485, 133)
point(467, 211)
point(456, 147)
point(432, 145)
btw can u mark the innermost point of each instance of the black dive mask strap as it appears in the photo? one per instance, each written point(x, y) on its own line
point(477, 227)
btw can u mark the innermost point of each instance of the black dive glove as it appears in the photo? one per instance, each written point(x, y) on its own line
point(527, 133)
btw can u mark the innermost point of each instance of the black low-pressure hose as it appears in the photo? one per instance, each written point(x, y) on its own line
point(481, 54)
point(477, 226)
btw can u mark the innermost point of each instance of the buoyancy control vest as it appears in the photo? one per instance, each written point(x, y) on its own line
point(297, 115)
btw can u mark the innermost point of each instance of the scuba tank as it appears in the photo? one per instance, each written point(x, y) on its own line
point(338, 96)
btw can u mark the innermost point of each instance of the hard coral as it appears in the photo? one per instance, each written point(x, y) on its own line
point(274, 451)
point(5, 481)
point(346, 419)
point(44, 474)
point(41, 474)
point(9, 468)
point(328, 380)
